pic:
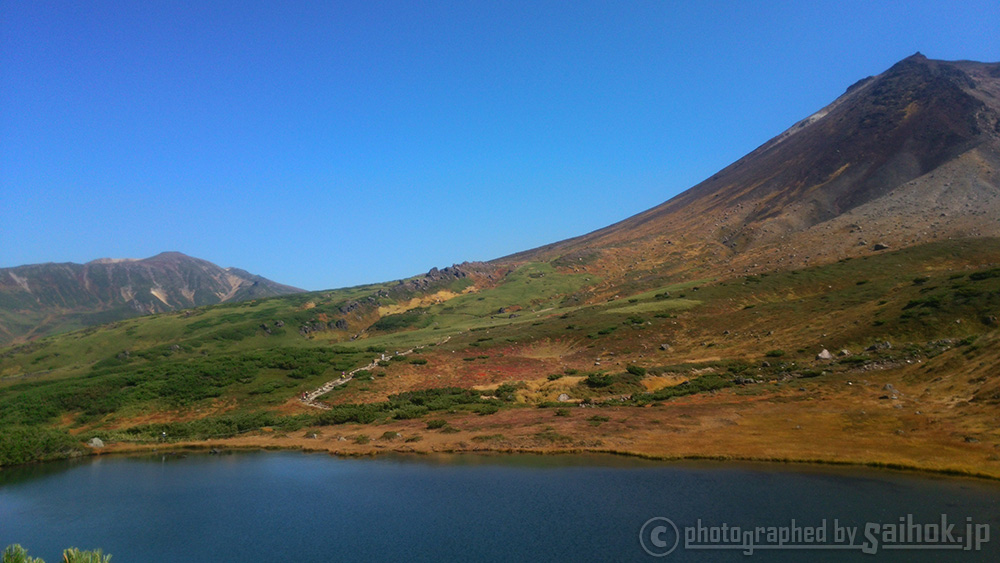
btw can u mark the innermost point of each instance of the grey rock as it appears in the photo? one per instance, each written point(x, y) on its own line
point(824, 355)
point(883, 345)
point(95, 442)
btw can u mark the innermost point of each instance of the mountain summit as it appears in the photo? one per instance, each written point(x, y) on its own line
point(909, 156)
point(41, 299)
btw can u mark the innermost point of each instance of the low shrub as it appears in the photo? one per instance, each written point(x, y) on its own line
point(636, 370)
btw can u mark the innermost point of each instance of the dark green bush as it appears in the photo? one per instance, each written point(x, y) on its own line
point(24, 444)
point(636, 370)
point(985, 274)
point(697, 385)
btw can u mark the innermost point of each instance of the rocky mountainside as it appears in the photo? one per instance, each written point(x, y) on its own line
point(40, 299)
point(906, 157)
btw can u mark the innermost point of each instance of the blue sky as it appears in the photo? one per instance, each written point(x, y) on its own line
point(328, 144)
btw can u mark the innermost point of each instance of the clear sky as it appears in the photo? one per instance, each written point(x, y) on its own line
point(331, 143)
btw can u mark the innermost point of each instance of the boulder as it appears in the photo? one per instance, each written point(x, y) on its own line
point(880, 246)
point(665, 347)
point(95, 442)
point(563, 397)
point(824, 355)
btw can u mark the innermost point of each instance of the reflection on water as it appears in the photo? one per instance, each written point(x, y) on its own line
point(313, 507)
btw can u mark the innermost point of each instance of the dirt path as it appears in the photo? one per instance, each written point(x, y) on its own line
point(310, 398)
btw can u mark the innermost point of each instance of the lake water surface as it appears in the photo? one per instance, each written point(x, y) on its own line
point(291, 506)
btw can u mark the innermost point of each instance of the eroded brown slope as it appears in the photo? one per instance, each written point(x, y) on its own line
point(909, 156)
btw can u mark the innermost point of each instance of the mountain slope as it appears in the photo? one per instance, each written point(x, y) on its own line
point(40, 299)
point(905, 157)
point(650, 329)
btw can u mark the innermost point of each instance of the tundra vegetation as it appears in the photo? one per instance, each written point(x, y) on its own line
point(538, 335)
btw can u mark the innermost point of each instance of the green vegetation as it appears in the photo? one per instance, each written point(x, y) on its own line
point(636, 370)
point(414, 318)
point(412, 404)
point(228, 370)
point(697, 385)
point(17, 554)
point(598, 380)
point(22, 444)
point(156, 380)
point(985, 275)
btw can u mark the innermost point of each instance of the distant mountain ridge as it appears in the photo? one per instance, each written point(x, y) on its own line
point(39, 299)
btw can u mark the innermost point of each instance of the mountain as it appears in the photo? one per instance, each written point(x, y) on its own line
point(832, 296)
point(40, 299)
point(906, 157)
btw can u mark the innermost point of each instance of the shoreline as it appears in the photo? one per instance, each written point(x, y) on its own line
point(226, 445)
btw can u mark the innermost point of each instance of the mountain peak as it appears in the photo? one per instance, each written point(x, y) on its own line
point(48, 298)
point(909, 156)
point(171, 256)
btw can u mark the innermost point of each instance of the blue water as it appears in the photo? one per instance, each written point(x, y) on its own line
point(313, 507)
